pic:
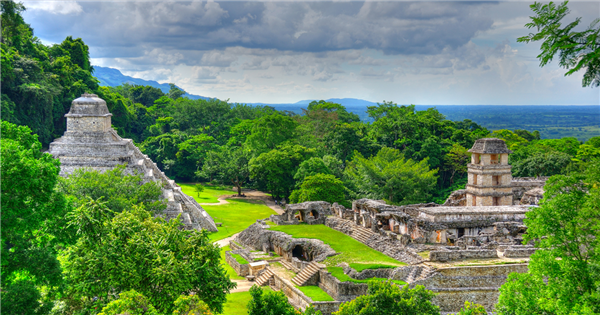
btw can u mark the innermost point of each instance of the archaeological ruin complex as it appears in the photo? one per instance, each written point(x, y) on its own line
point(90, 142)
point(483, 222)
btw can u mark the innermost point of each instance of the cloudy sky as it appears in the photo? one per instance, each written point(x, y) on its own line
point(427, 52)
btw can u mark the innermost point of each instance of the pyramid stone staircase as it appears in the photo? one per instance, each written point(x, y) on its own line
point(90, 142)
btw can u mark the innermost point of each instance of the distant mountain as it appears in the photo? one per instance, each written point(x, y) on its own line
point(552, 121)
point(114, 77)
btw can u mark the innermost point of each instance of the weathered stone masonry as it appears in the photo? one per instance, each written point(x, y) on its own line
point(90, 142)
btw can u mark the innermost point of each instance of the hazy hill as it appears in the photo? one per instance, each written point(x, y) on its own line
point(553, 121)
point(114, 77)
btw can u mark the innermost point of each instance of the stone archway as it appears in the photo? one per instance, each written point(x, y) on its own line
point(314, 214)
point(299, 253)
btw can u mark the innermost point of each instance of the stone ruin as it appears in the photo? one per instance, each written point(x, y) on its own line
point(482, 221)
point(310, 212)
point(90, 142)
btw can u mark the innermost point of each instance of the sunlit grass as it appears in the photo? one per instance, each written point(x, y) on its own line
point(338, 272)
point(315, 293)
point(361, 267)
point(210, 193)
point(351, 250)
point(236, 216)
point(237, 303)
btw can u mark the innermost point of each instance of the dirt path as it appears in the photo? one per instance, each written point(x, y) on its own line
point(251, 195)
point(242, 285)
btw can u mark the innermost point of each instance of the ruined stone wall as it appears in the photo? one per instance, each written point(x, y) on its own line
point(461, 254)
point(340, 291)
point(476, 284)
point(241, 269)
point(388, 245)
point(259, 238)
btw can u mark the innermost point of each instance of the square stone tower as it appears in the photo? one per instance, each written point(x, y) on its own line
point(489, 174)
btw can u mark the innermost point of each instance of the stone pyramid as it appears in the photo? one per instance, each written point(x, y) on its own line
point(90, 142)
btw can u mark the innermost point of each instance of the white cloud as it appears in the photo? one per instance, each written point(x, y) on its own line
point(55, 7)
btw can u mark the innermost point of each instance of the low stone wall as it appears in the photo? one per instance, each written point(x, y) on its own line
point(340, 291)
point(462, 254)
point(301, 301)
point(517, 252)
point(241, 269)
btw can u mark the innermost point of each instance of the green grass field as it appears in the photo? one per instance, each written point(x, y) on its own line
point(230, 272)
point(239, 259)
point(236, 216)
point(315, 293)
point(338, 272)
point(237, 302)
point(361, 267)
point(352, 251)
point(210, 193)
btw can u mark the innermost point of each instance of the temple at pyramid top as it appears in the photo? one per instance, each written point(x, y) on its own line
point(90, 142)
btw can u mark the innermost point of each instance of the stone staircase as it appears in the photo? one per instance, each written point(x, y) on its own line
point(419, 273)
point(287, 265)
point(306, 273)
point(264, 277)
point(361, 234)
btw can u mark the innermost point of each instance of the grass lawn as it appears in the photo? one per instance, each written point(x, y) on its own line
point(237, 302)
point(236, 216)
point(210, 193)
point(351, 250)
point(338, 272)
point(361, 267)
point(239, 259)
point(315, 293)
point(230, 272)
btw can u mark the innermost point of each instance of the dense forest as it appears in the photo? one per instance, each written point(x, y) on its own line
point(403, 155)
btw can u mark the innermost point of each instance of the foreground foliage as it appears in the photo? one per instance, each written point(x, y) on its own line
point(273, 303)
point(576, 50)
point(564, 275)
point(385, 298)
point(134, 251)
point(29, 206)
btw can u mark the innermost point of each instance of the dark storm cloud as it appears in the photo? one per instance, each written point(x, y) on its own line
point(131, 29)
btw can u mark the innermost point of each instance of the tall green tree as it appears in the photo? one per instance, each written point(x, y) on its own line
point(320, 187)
point(29, 203)
point(274, 170)
point(389, 175)
point(133, 250)
point(564, 274)
point(576, 50)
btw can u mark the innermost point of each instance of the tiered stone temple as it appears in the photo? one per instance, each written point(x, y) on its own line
point(90, 142)
point(489, 174)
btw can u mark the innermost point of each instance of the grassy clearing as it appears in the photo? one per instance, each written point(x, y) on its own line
point(236, 216)
point(315, 293)
point(361, 267)
point(230, 272)
point(351, 250)
point(237, 302)
point(239, 259)
point(424, 254)
point(210, 193)
point(338, 272)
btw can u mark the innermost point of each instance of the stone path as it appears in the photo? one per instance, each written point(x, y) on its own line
point(242, 285)
point(251, 195)
point(225, 241)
